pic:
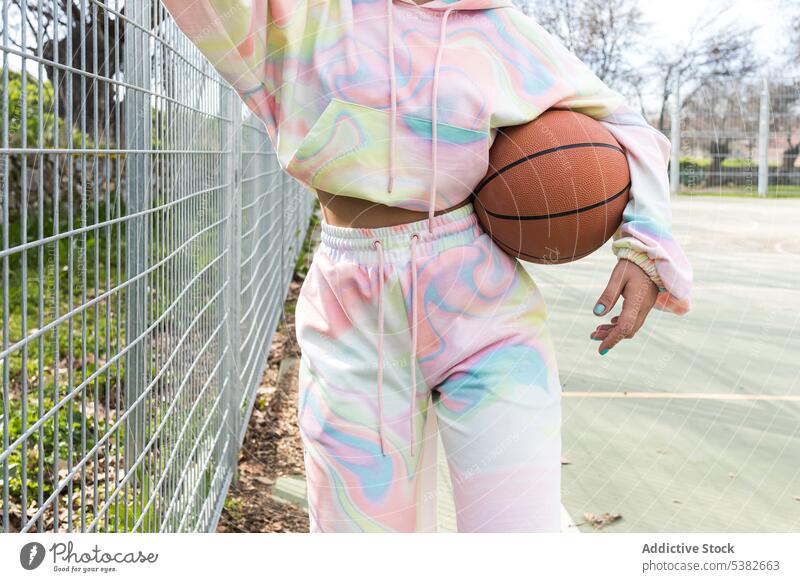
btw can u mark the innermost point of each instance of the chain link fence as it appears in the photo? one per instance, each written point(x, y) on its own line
point(148, 240)
point(736, 136)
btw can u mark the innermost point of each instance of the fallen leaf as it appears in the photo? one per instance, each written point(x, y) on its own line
point(602, 520)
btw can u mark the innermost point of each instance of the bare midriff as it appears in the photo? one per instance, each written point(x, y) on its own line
point(357, 213)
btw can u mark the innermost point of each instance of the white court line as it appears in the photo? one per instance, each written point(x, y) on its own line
point(686, 395)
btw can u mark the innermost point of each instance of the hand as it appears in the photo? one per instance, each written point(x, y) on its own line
point(639, 293)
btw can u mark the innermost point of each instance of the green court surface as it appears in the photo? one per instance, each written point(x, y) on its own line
point(694, 424)
point(708, 436)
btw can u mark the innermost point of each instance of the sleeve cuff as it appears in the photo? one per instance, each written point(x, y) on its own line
point(647, 264)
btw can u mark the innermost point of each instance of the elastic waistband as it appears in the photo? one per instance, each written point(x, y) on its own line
point(454, 228)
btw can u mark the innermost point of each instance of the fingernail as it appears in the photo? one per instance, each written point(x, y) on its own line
point(604, 352)
point(599, 308)
point(597, 339)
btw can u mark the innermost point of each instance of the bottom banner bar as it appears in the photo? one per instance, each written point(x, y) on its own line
point(356, 557)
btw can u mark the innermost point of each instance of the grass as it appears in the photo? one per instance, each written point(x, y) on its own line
point(774, 192)
point(44, 373)
point(303, 262)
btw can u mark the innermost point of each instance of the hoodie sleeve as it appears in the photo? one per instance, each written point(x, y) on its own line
point(230, 33)
point(545, 74)
point(247, 42)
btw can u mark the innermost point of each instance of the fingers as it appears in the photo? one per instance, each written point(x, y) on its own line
point(641, 317)
point(611, 293)
point(624, 328)
point(601, 332)
point(639, 295)
point(638, 300)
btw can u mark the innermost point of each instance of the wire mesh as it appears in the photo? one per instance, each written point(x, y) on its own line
point(784, 135)
point(740, 136)
point(148, 239)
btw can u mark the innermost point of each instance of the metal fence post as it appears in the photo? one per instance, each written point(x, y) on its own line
point(763, 141)
point(675, 139)
point(283, 225)
point(232, 298)
point(137, 176)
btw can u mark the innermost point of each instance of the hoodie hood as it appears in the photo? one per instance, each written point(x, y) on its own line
point(461, 4)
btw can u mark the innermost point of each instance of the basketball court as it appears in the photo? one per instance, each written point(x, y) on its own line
point(694, 425)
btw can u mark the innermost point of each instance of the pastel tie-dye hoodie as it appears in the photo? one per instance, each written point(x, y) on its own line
point(398, 103)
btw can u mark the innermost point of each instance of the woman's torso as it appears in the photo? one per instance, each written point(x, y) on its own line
point(354, 212)
point(330, 107)
point(320, 74)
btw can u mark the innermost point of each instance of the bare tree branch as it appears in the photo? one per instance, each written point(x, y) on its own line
point(602, 33)
point(715, 48)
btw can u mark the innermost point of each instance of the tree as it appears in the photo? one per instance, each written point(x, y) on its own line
point(717, 115)
point(784, 120)
point(90, 41)
point(793, 47)
point(716, 49)
point(602, 33)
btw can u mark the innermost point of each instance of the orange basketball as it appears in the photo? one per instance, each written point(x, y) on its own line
point(555, 189)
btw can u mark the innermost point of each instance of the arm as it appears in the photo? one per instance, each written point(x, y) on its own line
point(230, 33)
point(645, 236)
point(258, 47)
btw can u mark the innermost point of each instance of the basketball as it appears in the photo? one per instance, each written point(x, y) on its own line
point(555, 189)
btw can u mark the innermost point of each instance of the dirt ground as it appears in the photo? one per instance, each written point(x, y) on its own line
point(272, 445)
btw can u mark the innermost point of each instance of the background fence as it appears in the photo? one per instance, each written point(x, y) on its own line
point(735, 135)
point(148, 239)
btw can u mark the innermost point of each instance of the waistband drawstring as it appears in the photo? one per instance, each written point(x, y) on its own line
point(412, 404)
point(412, 409)
point(379, 247)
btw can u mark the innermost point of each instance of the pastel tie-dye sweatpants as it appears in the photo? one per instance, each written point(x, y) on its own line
point(483, 374)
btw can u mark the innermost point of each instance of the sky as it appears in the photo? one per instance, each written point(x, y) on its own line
point(671, 19)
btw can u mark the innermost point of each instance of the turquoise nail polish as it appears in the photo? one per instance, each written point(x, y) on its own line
point(597, 339)
point(604, 352)
point(599, 308)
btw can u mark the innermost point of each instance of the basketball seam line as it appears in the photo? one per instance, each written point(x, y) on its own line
point(515, 163)
point(520, 254)
point(557, 214)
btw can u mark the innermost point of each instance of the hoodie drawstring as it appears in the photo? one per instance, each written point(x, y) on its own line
point(393, 92)
point(415, 237)
point(434, 103)
point(434, 107)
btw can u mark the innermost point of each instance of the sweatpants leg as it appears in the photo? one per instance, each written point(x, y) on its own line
point(358, 481)
point(499, 417)
point(352, 487)
point(482, 354)
point(487, 353)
